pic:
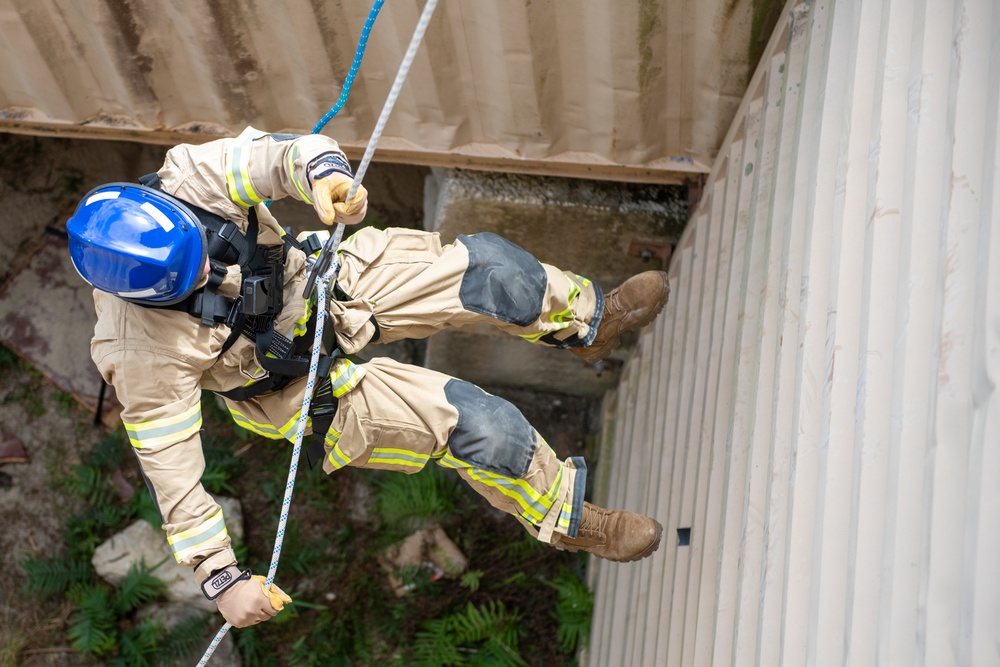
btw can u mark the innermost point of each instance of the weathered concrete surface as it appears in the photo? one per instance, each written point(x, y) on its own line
point(47, 317)
point(582, 226)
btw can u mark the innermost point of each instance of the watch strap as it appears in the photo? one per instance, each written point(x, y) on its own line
point(222, 580)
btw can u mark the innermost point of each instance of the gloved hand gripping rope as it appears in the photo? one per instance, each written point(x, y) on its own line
point(323, 271)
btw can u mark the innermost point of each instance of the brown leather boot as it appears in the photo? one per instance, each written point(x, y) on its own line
point(633, 304)
point(613, 534)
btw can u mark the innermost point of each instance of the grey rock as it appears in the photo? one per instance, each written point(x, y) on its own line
point(140, 542)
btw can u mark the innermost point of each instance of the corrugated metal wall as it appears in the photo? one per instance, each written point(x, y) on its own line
point(638, 91)
point(818, 404)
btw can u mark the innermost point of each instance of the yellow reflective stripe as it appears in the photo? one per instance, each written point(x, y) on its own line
point(237, 166)
point(560, 319)
point(398, 457)
point(566, 315)
point(533, 504)
point(266, 430)
point(288, 429)
point(565, 514)
point(534, 336)
point(293, 155)
point(165, 431)
point(351, 240)
point(345, 377)
point(191, 540)
point(301, 326)
point(338, 459)
point(550, 497)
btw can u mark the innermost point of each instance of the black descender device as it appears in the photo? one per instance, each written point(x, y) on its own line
point(322, 263)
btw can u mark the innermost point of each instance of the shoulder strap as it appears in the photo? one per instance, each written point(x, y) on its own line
point(227, 246)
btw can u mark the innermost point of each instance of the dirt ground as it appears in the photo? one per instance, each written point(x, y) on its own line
point(40, 182)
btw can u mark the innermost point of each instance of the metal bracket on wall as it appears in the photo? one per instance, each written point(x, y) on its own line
point(647, 249)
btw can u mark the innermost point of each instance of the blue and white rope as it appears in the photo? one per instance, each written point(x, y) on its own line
point(324, 281)
point(349, 81)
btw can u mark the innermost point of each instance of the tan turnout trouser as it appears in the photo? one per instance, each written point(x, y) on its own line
point(400, 417)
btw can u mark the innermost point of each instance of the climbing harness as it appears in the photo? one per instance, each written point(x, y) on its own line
point(252, 313)
point(322, 272)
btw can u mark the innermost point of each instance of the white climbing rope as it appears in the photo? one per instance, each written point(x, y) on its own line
point(321, 289)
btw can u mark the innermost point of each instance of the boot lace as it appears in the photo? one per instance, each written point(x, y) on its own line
point(594, 520)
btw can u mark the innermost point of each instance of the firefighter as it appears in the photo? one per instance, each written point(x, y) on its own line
point(198, 289)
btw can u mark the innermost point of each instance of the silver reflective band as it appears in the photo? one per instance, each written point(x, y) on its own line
point(223, 580)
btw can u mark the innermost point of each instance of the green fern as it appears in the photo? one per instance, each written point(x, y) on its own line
point(216, 478)
point(436, 645)
point(136, 588)
point(8, 359)
point(302, 554)
point(574, 610)
point(178, 644)
point(251, 650)
point(471, 580)
point(112, 518)
point(484, 635)
point(93, 628)
point(109, 453)
point(55, 575)
point(522, 549)
point(303, 655)
point(92, 484)
point(138, 645)
point(144, 508)
point(82, 536)
point(410, 501)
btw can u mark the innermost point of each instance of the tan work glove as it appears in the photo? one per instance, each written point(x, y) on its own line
point(248, 602)
point(329, 200)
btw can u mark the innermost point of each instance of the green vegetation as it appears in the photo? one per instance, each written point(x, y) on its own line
point(520, 603)
point(106, 624)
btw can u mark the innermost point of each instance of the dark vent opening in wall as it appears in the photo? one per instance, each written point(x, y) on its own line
point(683, 537)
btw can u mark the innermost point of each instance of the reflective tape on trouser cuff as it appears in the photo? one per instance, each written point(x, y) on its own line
point(579, 487)
point(567, 503)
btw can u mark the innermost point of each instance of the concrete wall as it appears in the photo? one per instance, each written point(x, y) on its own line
point(583, 226)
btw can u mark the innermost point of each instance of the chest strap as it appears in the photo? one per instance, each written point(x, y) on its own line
point(261, 294)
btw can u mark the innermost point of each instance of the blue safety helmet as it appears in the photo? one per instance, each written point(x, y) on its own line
point(138, 243)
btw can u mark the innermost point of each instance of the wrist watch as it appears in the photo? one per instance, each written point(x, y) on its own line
point(222, 580)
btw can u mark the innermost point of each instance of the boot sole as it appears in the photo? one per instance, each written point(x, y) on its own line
point(648, 550)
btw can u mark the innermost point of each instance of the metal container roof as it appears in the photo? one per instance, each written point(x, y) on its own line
point(640, 91)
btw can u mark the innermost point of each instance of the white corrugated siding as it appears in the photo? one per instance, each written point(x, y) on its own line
point(818, 402)
point(621, 90)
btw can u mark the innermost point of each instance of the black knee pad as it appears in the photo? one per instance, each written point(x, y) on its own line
point(503, 281)
point(491, 433)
